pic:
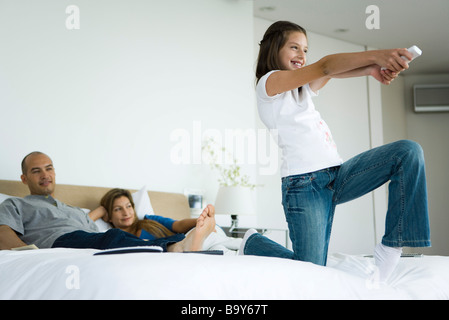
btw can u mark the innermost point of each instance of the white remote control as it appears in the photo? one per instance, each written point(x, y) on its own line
point(415, 51)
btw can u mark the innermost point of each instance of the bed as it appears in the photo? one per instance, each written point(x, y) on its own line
point(80, 274)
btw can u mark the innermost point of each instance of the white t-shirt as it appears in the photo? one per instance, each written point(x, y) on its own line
point(303, 136)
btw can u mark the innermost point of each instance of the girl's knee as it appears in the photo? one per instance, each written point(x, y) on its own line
point(412, 149)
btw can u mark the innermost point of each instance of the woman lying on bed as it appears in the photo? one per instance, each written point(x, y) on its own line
point(120, 213)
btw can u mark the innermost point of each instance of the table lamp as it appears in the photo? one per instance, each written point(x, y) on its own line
point(235, 201)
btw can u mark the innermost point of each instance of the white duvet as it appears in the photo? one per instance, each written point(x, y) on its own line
point(78, 274)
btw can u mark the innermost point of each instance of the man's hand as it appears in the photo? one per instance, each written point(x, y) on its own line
point(9, 239)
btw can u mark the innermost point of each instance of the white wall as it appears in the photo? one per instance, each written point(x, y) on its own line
point(394, 111)
point(110, 102)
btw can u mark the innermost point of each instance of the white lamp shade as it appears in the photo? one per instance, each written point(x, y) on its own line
point(235, 201)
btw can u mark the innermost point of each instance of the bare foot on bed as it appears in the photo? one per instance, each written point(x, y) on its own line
point(194, 240)
point(204, 226)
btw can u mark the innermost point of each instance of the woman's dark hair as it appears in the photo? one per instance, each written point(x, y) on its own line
point(274, 39)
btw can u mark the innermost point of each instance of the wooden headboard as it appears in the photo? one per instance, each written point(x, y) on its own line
point(172, 205)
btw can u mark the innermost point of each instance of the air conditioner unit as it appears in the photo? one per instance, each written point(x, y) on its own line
point(431, 97)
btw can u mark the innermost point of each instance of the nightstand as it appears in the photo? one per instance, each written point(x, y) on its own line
point(281, 236)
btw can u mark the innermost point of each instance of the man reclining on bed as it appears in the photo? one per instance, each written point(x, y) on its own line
point(42, 220)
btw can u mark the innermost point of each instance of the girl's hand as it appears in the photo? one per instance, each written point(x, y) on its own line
point(383, 76)
point(391, 59)
point(389, 76)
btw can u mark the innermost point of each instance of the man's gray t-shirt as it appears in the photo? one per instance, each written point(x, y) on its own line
point(40, 220)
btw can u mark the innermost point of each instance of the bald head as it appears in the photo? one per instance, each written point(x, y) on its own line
point(24, 161)
point(38, 173)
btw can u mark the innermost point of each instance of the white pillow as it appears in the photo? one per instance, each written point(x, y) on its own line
point(102, 225)
point(142, 203)
point(3, 197)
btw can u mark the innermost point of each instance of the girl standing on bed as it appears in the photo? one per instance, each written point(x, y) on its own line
point(314, 177)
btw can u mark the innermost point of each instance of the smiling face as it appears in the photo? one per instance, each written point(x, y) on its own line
point(123, 214)
point(293, 54)
point(39, 174)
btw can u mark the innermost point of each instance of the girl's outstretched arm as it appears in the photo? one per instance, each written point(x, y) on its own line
point(339, 65)
point(383, 76)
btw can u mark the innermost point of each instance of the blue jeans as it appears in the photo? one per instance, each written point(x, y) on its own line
point(310, 199)
point(259, 245)
point(111, 239)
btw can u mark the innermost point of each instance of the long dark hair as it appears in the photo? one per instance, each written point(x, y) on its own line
point(274, 39)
